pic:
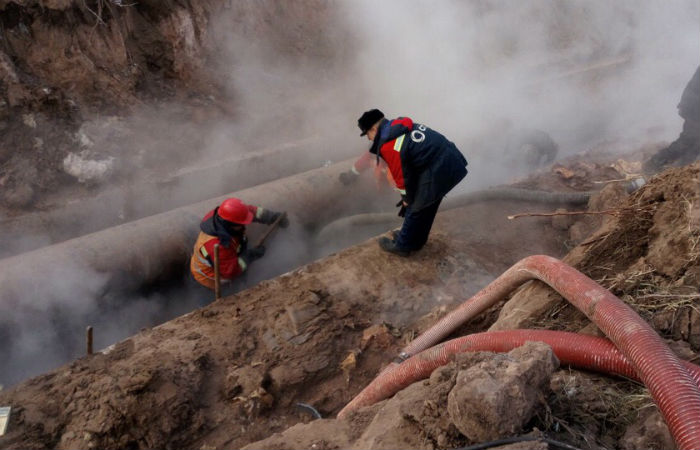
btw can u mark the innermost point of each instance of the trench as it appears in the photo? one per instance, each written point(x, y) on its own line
point(136, 275)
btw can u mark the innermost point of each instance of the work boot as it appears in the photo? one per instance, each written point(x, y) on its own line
point(390, 246)
point(395, 235)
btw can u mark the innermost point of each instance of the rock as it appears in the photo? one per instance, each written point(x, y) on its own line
point(307, 436)
point(648, 431)
point(495, 398)
point(349, 362)
point(244, 381)
point(527, 303)
point(412, 417)
point(377, 334)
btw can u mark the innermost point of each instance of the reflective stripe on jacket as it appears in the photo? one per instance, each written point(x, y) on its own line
point(202, 261)
point(423, 162)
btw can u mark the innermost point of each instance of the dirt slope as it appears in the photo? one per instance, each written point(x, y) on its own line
point(233, 373)
point(130, 88)
point(648, 256)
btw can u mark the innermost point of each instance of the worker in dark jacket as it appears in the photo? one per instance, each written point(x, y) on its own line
point(226, 226)
point(424, 166)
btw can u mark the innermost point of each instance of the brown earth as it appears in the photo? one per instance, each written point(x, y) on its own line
point(234, 372)
point(82, 77)
point(141, 84)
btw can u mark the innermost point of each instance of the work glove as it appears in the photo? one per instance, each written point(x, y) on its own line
point(348, 177)
point(268, 217)
point(251, 254)
point(284, 222)
point(402, 210)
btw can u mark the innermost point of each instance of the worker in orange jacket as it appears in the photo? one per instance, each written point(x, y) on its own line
point(226, 226)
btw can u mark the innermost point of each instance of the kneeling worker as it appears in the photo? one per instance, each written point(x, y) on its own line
point(225, 225)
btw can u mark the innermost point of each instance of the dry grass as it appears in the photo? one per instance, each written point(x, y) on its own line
point(587, 407)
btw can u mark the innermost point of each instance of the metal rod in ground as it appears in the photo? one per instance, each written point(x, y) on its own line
point(88, 340)
point(217, 276)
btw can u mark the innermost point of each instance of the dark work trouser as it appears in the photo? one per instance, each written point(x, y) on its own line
point(416, 227)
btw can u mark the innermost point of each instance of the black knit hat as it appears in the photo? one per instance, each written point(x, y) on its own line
point(368, 119)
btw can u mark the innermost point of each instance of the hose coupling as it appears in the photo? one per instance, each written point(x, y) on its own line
point(403, 356)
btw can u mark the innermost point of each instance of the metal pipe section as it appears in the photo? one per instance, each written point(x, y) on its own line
point(670, 385)
point(576, 350)
point(135, 200)
point(156, 247)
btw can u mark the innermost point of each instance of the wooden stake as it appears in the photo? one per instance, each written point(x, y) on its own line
point(217, 276)
point(88, 340)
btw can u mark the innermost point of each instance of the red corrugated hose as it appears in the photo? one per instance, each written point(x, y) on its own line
point(577, 350)
point(670, 384)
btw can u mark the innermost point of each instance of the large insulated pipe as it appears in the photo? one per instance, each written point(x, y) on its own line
point(155, 247)
point(670, 385)
point(118, 205)
point(576, 350)
point(459, 201)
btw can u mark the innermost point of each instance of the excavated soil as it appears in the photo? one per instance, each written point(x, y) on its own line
point(237, 371)
point(230, 373)
point(138, 91)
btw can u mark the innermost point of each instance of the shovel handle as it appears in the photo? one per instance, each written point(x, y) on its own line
point(272, 228)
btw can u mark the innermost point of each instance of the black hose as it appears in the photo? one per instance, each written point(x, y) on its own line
point(515, 439)
point(310, 408)
point(458, 201)
point(509, 193)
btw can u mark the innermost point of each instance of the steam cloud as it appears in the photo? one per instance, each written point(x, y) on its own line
point(584, 71)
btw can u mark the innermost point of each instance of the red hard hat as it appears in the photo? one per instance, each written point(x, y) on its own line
point(234, 210)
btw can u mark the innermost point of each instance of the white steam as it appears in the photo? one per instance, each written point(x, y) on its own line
point(584, 71)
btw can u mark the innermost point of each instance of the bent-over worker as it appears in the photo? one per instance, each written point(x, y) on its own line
point(226, 225)
point(424, 165)
point(382, 175)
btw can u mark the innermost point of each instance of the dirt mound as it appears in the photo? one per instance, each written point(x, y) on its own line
point(656, 226)
point(237, 371)
point(136, 85)
point(233, 372)
point(506, 387)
